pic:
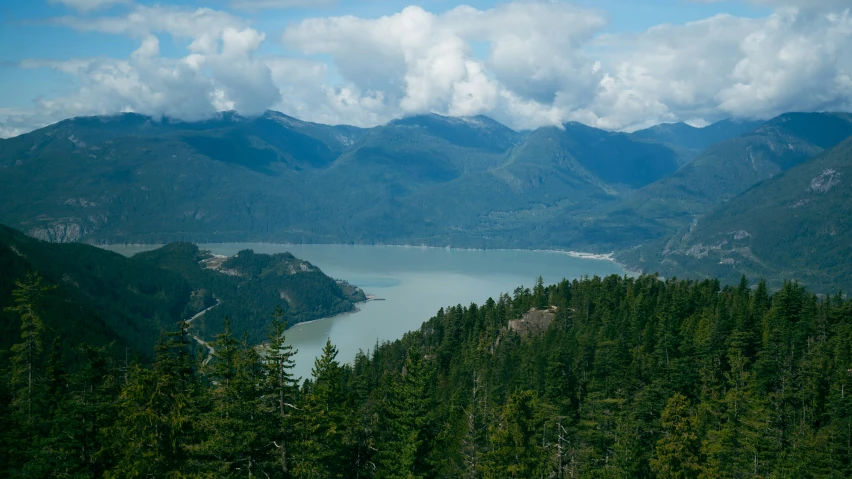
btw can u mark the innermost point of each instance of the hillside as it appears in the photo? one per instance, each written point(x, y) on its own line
point(720, 173)
point(423, 179)
point(794, 226)
point(693, 139)
point(616, 377)
point(428, 179)
point(250, 286)
point(103, 297)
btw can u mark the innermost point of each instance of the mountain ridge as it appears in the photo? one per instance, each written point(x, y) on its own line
point(794, 226)
point(236, 178)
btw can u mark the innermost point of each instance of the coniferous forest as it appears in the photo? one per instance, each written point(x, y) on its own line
point(632, 378)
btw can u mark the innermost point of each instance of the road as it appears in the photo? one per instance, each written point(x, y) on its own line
point(210, 350)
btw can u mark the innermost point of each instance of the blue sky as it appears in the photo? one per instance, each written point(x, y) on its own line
point(613, 64)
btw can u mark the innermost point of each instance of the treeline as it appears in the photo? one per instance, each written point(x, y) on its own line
point(634, 378)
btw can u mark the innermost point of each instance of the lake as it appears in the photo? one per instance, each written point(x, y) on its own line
point(413, 283)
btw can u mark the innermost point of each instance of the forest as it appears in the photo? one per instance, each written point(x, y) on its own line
point(105, 299)
point(633, 378)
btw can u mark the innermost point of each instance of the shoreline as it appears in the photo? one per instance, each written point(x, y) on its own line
point(574, 254)
point(356, 310)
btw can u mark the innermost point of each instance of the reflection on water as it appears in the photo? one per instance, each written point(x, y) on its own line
point(414, 283)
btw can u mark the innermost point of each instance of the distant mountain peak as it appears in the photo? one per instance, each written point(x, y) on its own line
point(428, 119)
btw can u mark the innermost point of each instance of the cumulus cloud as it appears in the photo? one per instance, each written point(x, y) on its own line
point(422, 62)
point(526, 63)
point(728, 66)
point(547, 63)
point(219, 71)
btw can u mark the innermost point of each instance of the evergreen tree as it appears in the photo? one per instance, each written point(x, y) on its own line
point(279, 390)
point(678, 452)
point(232, 418)
point(402, 421)
point(323, 420)
point(26, 357)
point(156, 414)
point(517, 445)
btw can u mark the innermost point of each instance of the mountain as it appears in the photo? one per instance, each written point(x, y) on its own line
point(423, 179)
point(722, 172)
point(795, 226)
point(249, 286)
point(103, 297)
point(695, 139)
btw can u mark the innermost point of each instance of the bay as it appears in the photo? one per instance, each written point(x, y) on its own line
point(412, 283)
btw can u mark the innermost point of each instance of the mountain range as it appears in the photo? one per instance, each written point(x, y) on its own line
point(427, 179)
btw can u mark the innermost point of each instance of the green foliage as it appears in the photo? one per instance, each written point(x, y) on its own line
point(279, 392)
point(101, 298)
point(248, 285)
point(678, 452)
point(107, 300)
point(634, 377)
point(470, 182)
point(794, 226)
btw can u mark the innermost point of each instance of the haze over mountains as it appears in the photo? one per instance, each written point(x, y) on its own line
point(429, 179)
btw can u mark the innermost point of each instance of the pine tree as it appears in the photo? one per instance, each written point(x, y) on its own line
point(403, 414)
point(677, 454)
point(86, 406)
point(539, 294)
point(156, 413)
point(516, 444)
point(323, 424)
point(232, 418)
point(26, 357)
point(279, 394)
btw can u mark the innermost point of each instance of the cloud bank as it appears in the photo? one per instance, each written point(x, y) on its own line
point(527, 64)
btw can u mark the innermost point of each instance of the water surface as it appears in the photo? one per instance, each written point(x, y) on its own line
point(414, 283)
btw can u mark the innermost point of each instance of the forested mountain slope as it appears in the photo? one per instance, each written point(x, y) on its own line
point(728, 168)
point(629, 377)
point(424, 179)
point(100, 296)
point(795, 226)
point(250, 286)
point(720, 173)
point(103, 297)
point(695, 139)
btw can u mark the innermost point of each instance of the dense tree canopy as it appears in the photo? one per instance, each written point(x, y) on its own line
point(634, 377)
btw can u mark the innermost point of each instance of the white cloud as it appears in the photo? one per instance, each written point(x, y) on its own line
point(219, 71)
point(727, 66)
point(89, 5)
point(545, 63)
point(525, 63)
point(201, 24)
point(422, 62)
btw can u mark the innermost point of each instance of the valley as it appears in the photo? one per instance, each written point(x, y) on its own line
point(414, 282)
point(500, 239)
point(423, 180)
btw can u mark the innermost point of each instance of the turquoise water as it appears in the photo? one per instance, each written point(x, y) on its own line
point(414, 283)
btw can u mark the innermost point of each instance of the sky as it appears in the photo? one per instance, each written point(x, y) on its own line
point(612, 64)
